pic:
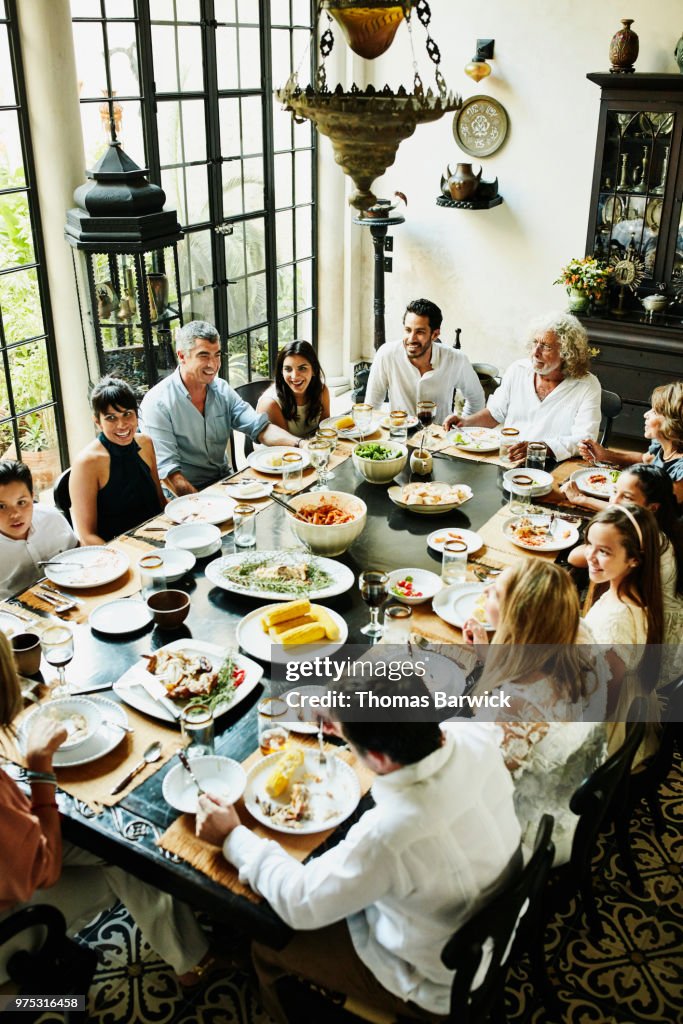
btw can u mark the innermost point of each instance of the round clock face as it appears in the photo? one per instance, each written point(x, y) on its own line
point(624, 272)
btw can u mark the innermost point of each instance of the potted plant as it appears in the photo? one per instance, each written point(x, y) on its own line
point(586, 281)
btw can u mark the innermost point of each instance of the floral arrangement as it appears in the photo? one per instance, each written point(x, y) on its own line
point(587, 275)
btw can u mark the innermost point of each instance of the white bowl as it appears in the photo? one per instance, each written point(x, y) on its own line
point(542, 481)
point(81, 717)
point(426, 582)
point(218, 775)
point(199, 538)
point(329, 540)
point(381, 471)
point(177, 561)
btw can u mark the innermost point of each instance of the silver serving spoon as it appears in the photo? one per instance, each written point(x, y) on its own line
point(152, 754)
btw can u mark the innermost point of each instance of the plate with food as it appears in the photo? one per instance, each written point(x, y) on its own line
point(410, 422)
point(200, 508)
point(290, 792)
point(291, 631)
point(347, 429)
point(280, 575)
point(87, 567)
point(438, 538)
point(430, 498)
point(475, 439)
point(413, 586)
point(597, 482)
point(540, 533)
point(270, 459)
point(103, 739)
point(460, 602)
point(248, 489)
point(187, 670)
point(11, 624)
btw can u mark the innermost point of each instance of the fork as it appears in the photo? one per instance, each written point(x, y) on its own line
point(54, 602)
point(322, 757)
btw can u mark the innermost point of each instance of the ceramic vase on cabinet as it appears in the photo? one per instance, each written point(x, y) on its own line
point(463, 183)
point(623, 49)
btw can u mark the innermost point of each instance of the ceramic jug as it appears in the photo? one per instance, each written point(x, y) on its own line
point(623, 49)
point(463, 183)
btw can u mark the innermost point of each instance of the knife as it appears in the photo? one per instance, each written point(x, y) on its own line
point(157, 691)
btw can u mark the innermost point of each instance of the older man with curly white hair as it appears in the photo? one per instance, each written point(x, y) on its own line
point(549, 396)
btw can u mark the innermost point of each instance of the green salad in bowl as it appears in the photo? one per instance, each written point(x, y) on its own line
point(379, 461)
point(376, 451)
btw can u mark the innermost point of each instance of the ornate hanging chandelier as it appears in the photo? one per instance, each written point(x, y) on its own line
point(366, 126)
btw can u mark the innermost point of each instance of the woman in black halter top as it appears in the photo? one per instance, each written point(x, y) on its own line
point(114, 483)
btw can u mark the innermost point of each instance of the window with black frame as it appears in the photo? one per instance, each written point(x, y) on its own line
point(189, 85)
point(31, 423)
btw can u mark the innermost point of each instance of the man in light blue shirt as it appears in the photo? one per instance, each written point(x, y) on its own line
point(190, 415)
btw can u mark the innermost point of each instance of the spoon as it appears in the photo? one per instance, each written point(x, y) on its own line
point(185, 762)
point(152, 754)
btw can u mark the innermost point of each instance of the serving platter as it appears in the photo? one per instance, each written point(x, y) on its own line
point(254, 641)
point(87, 567)
point(598, 483)
point(475, 439)
point(338, 578)
point(105, 738)
point(460, 602)
point(129, 687)
point(200, 508)
point(265, 460)
point(395, 494)
point(563, 535)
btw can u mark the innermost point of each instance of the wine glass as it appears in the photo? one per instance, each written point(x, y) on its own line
point(319, 452)
point(425, 413)
point(330, 435)
point(362, 417)
point(374, 588)
point(57, 643)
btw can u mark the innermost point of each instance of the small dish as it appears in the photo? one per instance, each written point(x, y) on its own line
point(438, 538)
point(425, 584)
point(198, 538)
point(177, 561)
point(220, 776)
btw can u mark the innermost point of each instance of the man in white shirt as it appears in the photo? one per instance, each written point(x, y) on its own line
point(29, 533)
point(549, 397)
point(373, 913)
point(420, 368)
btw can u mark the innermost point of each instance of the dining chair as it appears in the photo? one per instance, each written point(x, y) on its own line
point(45, 959)
point(250, 393)
point(610, 407)
point(61, 495)
point(644, 784)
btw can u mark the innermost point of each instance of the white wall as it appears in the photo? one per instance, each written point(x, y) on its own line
point(492, 270)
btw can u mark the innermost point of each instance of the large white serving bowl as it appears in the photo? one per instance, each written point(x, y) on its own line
point(199, 538)
point(218, 775)
point(329, 540)
point(381, 471)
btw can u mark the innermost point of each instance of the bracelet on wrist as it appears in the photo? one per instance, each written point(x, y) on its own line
point(47, 777)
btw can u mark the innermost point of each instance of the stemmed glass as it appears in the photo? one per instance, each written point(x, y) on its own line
point(425, 413)
point(319, 452)
point(57, 643)
point(374, 589)
point(362, 417)
point(330, 435)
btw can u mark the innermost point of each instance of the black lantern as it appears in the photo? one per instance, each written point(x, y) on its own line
point(130, 247)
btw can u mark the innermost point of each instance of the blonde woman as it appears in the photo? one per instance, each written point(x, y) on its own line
point(552, 734)
point(37, 866)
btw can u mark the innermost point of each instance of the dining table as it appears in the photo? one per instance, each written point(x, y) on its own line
point(393, 538)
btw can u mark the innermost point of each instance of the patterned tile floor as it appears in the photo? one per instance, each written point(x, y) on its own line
point(634, 974)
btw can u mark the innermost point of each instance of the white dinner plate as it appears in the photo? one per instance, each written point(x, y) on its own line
point(428, 510)
point(200, 508)
point(410, 422)
point(341, 578)
point(254, 641)
point(126, 615)
point(475, 439)
point(456, 604)
point(11, 624)
point(438, 538)
point(563, 535)
point(353, 433)
point(262, 459)
point(542, 481)
point(249, 490)
point(129, 687)
point(177, 561)
point(599, 483)
point(103, 740)
point(89, 567)
point(332, 800)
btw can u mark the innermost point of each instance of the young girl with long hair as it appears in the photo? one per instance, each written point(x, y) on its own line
point(299, 399)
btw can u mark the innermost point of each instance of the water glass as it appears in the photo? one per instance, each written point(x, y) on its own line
point(398, 426)
point(196, 725)
point(152, 575)
point(292, 469)
point(244, 526)
point(454, 565)
point(509, 437)
point(273, 734)
point(319, 453)
point(397, 624)
point(520, 489)
point(330, 435)
point(362, 417)
point(536, 453)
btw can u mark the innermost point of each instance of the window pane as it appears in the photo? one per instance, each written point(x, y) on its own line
point(255, 245)
point(226, 48)
point(11, 158)
point(118, 9)
point(174, 10)
point(304, 284)
point(229, 120)
point(303, 134)
point(301, 12)
point(237, 360)
point(259, 353)
point(257, 311)
point(90, 67)
point(16, 239)
point(282, 64)
point(177, 58)
point(283, 180)
point(250, 58)
point(285, 332)
point(182, 134)
point(304, 238)
point(20, 304)
point(285, 291)
point(194, 258)
point(252, 126)
point(38, 448)
point(282, 126)
point(123, 58)
point(29, 376)
point(235, 259)
point(283, 237)
point(302, 172)
point(304, 326)
point(224, 10)
point(253, 184)
point(237, 306)
point(85, 8)
point(7, 95)
point(187, 192)
point(247, 11)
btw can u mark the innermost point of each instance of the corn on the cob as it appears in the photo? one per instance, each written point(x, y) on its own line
point(282, 627)
point(288, 610)
point(302, 634)
point(323, 617)
point(345, 423)
point(284, 771)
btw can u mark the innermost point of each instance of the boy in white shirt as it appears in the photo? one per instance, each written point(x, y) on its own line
point(29, 534)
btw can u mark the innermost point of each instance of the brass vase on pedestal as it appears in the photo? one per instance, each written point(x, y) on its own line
point(623, 49)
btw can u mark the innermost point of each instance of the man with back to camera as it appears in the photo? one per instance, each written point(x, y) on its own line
point(420, 368)
point(373, 913)
point(191, 413)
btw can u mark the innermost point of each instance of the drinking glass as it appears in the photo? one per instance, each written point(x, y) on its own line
point(520, 488)
point(397, 624)
point(292, 467)
point(454, 565)
point(374, 587)
point(330, 435)
point(244, 526)
point(536, 453)
point(319, 452)
point(509, 436)
point(57, 643)
point(273, 734)
point(425, 414)
point(398, 426)
point(362, 417)
point(152, 575)
point(196, 726)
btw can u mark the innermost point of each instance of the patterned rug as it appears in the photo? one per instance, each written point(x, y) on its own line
point(634, 974)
